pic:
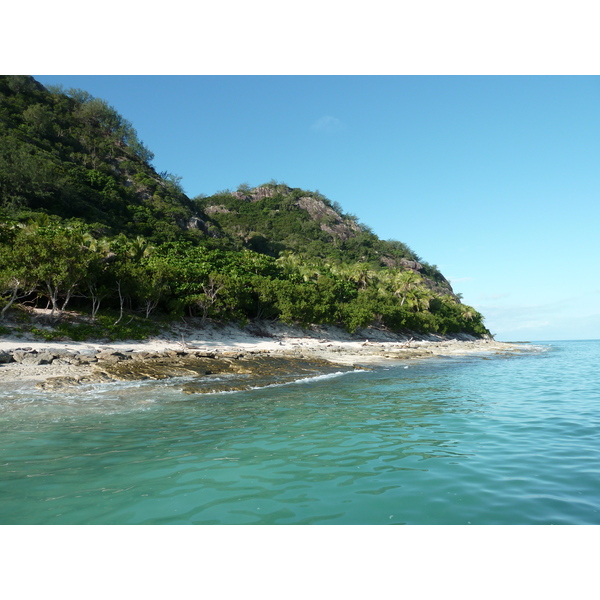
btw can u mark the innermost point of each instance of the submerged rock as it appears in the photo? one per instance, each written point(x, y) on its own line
point(209, 372)
point(58, 383)
point(258, 371)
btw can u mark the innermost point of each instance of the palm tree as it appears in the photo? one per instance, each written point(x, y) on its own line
point(420, 297)
point(139, 248)
point(405, 283)
point(361, 273)
point(293, 264)
point(468, 313)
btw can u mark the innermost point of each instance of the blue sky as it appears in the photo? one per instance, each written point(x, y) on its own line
point(495, 179)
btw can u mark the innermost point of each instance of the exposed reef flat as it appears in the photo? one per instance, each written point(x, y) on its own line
point(221, 358)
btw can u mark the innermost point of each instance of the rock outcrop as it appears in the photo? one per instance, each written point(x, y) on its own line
point(210, 372)
point(328, 220)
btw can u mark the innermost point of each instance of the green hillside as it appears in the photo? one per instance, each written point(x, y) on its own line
point(86, 221)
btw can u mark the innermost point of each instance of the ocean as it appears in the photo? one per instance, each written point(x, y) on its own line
point(485, 439)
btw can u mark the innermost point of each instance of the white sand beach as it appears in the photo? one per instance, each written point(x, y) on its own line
point(368, 346)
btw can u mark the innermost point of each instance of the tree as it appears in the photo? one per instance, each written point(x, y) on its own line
point(60, 260)
point(208, 298)
point(404, 284)
point(96, 281)
point(51, 257)
point(16, 279)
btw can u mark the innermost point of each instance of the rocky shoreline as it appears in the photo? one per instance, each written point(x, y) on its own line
point(226, 358)
point(258, 367)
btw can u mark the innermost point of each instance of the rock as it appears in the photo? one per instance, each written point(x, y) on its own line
point(234, 355)
point(329, 220)
point(83, 359)
point(6, 357)
point(241, 196)
point(193, 223)
point(204, 354)
point(209, 210)
point(61, 362)
point(44, 358)
point(259, 371)
point(104, 354)
point(62, 353)
point(260, 192)
point(411, 264)
point(246, 369)
point(57, 383)
point(110, 360)
point(96, 377)
point(19, 355)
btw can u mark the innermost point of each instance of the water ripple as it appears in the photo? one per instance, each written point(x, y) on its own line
point(511, 440)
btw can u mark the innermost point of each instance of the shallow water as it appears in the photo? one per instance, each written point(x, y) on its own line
point(480, 440)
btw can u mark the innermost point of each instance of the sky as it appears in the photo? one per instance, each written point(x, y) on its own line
point(494, 179)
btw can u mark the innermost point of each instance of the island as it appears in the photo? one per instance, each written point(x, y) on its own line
point(109, 271)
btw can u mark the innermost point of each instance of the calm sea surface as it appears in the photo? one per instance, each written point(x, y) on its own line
point(480, 440)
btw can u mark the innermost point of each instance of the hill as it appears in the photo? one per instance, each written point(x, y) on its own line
point(276, 220)
point(86, 221)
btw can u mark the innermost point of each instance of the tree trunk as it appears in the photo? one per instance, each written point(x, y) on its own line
point(121, 302)
point(53, 294)
point(10, 302)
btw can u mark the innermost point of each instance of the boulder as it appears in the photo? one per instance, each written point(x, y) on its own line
point(33, 358)
point(61, 362)
point(411, 264)
point(19, 355)
point(81, 359)
point(5, 357)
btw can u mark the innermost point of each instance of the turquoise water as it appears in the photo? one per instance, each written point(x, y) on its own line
point(480, 440)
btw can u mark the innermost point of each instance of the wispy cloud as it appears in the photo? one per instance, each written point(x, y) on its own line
point(328, 124)
point(562, 319)
point(487, 297)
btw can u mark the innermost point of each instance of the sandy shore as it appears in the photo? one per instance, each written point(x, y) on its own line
point(366, 347)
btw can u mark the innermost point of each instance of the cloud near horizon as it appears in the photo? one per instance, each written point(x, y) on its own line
point(567, 318)
point(328, 124)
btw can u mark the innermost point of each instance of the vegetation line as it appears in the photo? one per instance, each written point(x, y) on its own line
point(86, 222)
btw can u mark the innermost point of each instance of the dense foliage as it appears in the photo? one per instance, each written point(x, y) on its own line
point(86, 221)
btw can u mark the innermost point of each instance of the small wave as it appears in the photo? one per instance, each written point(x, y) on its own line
point(327, 376)
point(534, 348)
point(107, 387)
point(299, 380)
point(545, 348)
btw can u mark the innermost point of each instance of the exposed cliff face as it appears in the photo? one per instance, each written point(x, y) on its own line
point(260, 192)
point(328, 220)
point(211, 210)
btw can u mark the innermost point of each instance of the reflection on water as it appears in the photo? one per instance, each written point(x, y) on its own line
point(454, 441)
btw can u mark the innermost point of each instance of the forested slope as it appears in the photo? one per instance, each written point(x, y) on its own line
point(86, 222)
